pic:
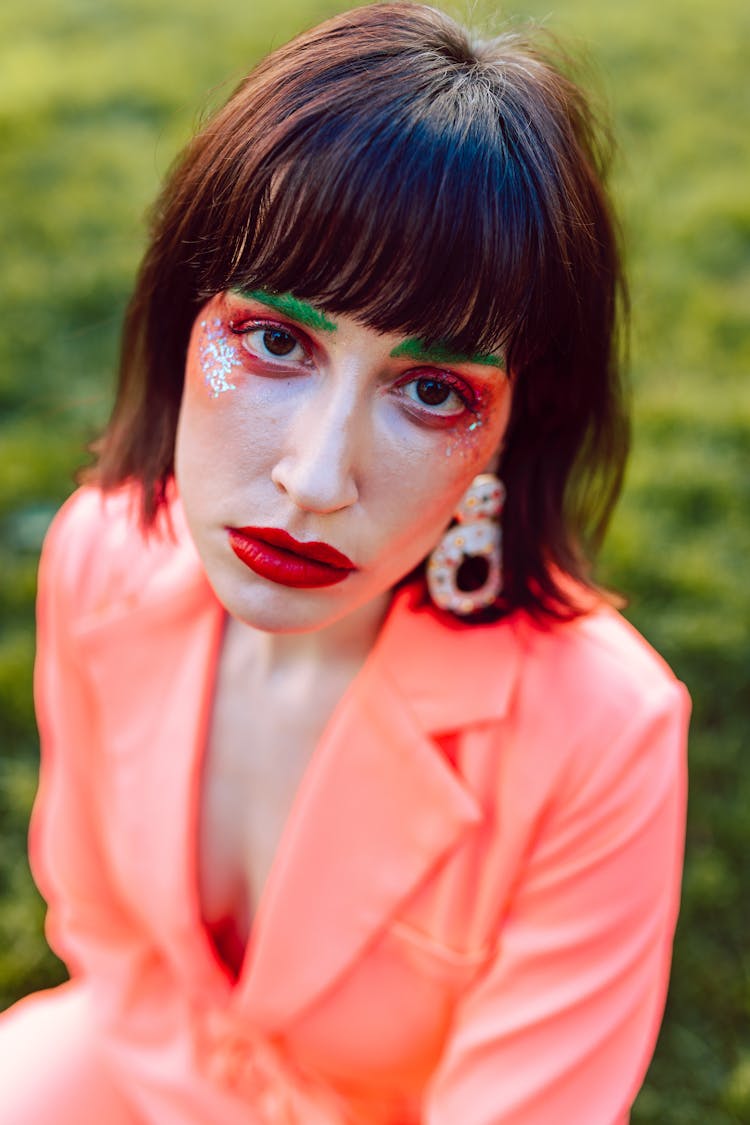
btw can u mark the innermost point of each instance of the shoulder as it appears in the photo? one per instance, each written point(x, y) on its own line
point(597, 658)
point(551, 679)
point(96, 555)
point(599, 709)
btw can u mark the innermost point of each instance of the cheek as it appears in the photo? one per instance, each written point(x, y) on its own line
point(421, 499)
point(211, 446)
point(422, 492)
point(221, 419)
point(476, 442)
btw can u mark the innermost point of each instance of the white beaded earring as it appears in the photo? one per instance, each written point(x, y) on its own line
point(476, 533)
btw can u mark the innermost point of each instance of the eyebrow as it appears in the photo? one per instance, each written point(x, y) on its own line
point(414, 348)
point(291, 306)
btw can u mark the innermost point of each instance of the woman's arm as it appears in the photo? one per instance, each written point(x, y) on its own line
point(562, 1026)
point(87, 925)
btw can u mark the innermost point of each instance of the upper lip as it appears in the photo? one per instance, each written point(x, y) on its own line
point(318, 552)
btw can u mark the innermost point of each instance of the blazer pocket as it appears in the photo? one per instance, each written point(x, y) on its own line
point(432, 958)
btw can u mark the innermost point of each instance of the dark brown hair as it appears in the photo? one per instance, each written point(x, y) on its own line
point(388, 166)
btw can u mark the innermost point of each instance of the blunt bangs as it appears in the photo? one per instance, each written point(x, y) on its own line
point(382, 227)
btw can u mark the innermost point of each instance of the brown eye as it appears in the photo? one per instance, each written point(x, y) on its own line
point(433, 392)
point(278, 343)
point(442, 395)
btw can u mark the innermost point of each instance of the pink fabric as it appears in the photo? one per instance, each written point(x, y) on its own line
point(50, 1066)
point(470, 915)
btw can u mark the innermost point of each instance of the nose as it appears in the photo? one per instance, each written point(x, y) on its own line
point(317, 469)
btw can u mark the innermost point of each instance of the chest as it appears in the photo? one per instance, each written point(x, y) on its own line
point(262, 735)
point(249, 779)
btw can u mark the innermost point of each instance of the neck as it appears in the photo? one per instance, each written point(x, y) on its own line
point(344, 642)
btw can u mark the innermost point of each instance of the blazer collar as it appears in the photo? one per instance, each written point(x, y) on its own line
point(377, 810)
point(449, 673)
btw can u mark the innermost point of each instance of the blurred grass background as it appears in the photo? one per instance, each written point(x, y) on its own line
point(95, 100)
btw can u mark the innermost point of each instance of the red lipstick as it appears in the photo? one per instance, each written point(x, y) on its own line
point(276, 555)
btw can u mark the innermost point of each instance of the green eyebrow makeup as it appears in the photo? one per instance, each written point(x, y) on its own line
point(415, 349)
point(290, 306)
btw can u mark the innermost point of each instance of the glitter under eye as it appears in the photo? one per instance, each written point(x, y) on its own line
point(218, 358)
point(464, 441)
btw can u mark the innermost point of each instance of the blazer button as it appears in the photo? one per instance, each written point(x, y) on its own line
point(233, 1054)
point(243, 1060)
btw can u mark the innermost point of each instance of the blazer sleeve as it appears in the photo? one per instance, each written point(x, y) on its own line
point(87, 924)
point(562, 1025)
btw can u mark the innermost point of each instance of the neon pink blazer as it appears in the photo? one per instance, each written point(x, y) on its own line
point(470, 915)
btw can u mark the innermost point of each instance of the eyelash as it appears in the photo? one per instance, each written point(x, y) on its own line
point(248, 327)
point(463, 391)
point(467, 395)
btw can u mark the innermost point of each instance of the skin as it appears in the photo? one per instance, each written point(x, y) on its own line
point(329, 443)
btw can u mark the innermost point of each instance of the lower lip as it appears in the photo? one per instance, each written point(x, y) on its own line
point(284, 567)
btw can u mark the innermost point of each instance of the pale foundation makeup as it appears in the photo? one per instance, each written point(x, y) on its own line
point(317, 435)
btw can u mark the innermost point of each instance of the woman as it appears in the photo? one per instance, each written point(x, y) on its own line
point(349, 810)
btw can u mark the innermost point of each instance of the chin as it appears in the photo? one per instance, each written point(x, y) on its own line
point(282, 609)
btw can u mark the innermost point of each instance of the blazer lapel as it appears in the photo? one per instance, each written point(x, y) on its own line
point(378, 809)
point(151, 657)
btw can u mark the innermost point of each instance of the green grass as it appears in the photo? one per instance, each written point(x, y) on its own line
point(95, 100)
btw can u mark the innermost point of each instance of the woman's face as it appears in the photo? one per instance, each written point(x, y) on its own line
point(319, 461)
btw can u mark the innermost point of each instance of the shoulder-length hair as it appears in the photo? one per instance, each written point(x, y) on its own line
point(388, 166)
